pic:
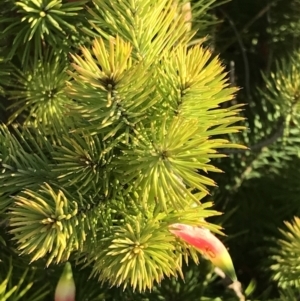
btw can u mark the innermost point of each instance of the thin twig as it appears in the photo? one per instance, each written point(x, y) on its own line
point(277, 134)
point(243, 50)
point(263, 11)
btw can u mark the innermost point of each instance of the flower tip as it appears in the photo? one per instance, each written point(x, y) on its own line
point(65, 289)
point(231, 274)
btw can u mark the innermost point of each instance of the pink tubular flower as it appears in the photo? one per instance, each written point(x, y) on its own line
point(208, 244)
point(65, 289)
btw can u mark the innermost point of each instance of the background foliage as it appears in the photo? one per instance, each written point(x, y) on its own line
point(88, 165)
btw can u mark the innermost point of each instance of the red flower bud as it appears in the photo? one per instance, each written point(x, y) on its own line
point(208, 244)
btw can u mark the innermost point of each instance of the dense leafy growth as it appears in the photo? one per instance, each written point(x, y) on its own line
point(116, 118)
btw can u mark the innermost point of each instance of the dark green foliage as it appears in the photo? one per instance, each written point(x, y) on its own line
point(262, 184)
